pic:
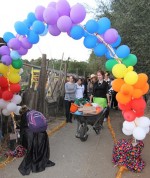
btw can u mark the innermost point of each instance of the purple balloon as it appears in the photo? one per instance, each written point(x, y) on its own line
point(64, 23)
point(4, 50)
point(53, 30)
point(77, 13)
point(111, 35)
point(25, 43)
point(52, 4)
point(22, 51)
point(39, 12)
point(6, 60)
point(63, 8)
point(14, 43)
point(50, 16)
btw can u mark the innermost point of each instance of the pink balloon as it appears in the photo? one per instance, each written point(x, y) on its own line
point(52, 4)
point(14, 43)
point(50, 16)
point(22, 51)
point(39, 12)
point(111, 36)
point(64, 23)
point(77, 13)
point(4, 50)
point(53, 30)
point(6, 59)
point(25, 43)
point(63, 8)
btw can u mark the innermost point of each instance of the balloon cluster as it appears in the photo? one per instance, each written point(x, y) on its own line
point(130, 86)
point(57, 17)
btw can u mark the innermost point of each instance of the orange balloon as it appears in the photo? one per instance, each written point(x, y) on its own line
point(142, 80)
point(126, 89)
point(123, 99)
point(116, 84)
point(145, 88)
point(137, 93)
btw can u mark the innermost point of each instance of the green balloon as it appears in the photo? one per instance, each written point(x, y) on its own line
point(131, 60)
point(110, 64)
point(17, 64)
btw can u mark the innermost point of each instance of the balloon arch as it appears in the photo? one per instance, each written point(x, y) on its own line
point(59, 17)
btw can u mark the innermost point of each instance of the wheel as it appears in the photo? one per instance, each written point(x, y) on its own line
point(83, 132)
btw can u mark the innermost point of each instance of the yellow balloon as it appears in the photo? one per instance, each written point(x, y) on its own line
point(14, 78)
point(130, 68)
point(13, 70)
point(3, 69)
point(119, 70)
point(131, 78)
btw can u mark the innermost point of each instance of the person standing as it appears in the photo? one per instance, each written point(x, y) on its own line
point(70, 90)
point(100, 92)
point(80, 89)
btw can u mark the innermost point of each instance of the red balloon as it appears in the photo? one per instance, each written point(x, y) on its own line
point(1, 93)
point(7, 95)
point(139, 113)
point(138, 104)
point(3, 82)
point(15, 88)
point(125, 107)
point(129, 115)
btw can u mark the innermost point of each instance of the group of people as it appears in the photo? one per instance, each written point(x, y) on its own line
point(96, 89)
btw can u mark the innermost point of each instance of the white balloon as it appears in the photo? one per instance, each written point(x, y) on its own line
point(11, 107)
point(17, 110)
point(127, 132)
point(147, 129)
point(3, 104)
point(5, 112)
point(139, 133)
point(142, 121)
point(16, 99)
point(129, 125)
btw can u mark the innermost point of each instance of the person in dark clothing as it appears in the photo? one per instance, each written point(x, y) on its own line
point(37, 146)
point(100, 92)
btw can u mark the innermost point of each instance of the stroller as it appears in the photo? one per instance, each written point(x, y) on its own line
point(96, 121)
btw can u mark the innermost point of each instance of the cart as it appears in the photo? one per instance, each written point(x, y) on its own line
point(96, 121)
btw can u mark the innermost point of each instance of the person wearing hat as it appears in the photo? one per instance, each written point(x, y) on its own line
point(93, 79)
point(37, 147)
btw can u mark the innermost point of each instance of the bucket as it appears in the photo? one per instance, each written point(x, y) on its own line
point(74, 107)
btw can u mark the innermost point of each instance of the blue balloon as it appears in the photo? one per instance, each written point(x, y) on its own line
point(33, 38)
point(91, 26)
point(117, 43)
point(38, 27)
point(108, 55)
point(45, 31)
point(123, 51)
point(90, 41)
point(21, 28)
point(77, 32)
point(85, 33)
point(8, 36)
point(27, 23)
point(103, 25)
point(15, 55)
point(100, 50)
point(31, 18)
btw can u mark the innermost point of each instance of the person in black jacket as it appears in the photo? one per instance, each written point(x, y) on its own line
point(37, 146)
point(100, 92)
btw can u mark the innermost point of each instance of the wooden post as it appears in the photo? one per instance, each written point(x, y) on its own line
point(41, 86)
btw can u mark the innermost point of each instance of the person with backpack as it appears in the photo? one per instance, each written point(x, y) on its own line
point(35, 140)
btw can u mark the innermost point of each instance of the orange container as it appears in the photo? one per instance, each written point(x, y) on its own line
point(87, 104)
point(74, 107)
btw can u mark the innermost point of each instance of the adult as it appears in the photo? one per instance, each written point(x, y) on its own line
point(93, 79)
point(100, 91)
point(70, 90)
point(79, 89)
point(37, 145)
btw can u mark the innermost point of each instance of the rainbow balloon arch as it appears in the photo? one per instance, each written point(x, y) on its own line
point(59, 17)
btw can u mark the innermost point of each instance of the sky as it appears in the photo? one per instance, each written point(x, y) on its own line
point(54, 47)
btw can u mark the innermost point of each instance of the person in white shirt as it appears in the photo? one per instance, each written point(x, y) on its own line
point(79, 89)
